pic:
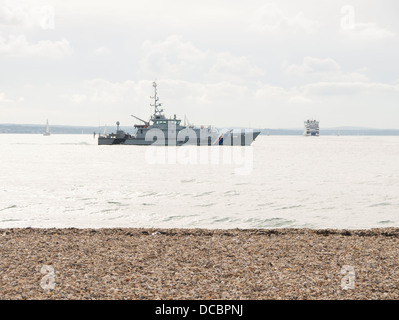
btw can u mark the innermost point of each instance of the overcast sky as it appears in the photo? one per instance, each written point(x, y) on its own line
point(267, 64)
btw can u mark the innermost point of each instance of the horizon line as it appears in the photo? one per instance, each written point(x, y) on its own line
point(346, 127)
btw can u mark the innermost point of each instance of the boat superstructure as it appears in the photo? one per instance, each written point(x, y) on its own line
point(160, 130)
point(311, 128)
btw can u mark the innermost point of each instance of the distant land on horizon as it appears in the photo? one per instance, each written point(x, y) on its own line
point(64, 129)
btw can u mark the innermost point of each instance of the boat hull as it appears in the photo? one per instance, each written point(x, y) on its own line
point(234, 139)
point(312, 134)
point(110, 141)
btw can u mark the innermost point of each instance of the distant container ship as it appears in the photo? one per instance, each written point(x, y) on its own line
point(311, 128)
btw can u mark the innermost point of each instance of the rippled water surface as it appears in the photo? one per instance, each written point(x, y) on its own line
point(280, 181)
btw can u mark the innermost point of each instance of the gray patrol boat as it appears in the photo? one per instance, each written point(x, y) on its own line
point(160, 130)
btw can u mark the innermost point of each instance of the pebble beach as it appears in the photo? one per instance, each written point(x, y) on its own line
point(198, 264)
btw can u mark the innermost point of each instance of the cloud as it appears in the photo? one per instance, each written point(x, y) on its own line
point(368, 31)
point(266, 91)
point(299, 99)
point(102, 51)
point(5, 99)
point(209, 65)
point(348, 88)
point(101, 91)
point(220, 103)
point(227, 66)
point(28, 14)
point(372, 30)
point(175, 58)
point(362, 30)
point(172, 58)
point(270, 18)
point(322, 69)
point(18, 46)
point(78, 98)
point(202, 102)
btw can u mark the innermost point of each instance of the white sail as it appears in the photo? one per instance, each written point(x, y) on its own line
point(47, 133)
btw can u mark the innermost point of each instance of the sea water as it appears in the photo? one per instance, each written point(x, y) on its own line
point(349, 182)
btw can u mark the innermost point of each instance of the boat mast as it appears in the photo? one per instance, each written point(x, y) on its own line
point(156, 104)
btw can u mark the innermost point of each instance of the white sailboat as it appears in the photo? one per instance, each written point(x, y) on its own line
point(47, 133)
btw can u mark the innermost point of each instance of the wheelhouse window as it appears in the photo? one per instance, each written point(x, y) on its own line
point(177, 122)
